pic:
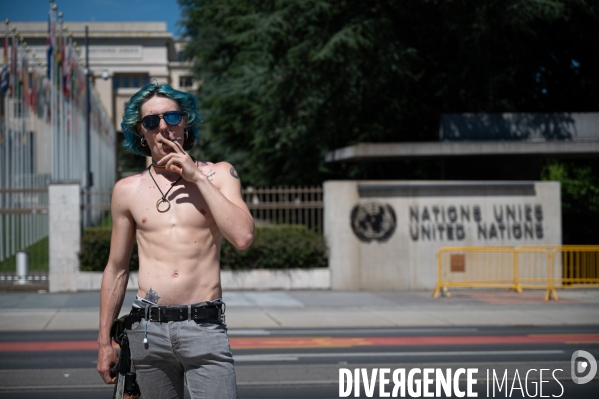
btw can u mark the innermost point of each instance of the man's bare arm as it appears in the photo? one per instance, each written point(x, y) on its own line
point(221, 191)
point(115, 277)
point(230, 212)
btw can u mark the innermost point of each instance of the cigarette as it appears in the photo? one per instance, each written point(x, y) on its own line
point(176, 138)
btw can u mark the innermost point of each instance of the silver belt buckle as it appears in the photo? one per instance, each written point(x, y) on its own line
point(150, 314)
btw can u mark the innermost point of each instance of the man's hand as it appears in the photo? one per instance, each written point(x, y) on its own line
point(107, 358)
point(179, 161)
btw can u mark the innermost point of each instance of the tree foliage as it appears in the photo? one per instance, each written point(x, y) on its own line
point(286, 81)
point(579, 185)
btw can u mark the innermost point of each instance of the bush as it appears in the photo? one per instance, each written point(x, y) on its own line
point(95, 248)
point(277, 247)
point(274, 247)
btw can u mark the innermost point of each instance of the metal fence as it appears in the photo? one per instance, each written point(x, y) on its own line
point(23, 234)
point(96, 207)
point(547, 267)
point(286, 205)
point(43, 112)
point(280, 205)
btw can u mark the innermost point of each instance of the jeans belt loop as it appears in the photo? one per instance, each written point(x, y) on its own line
point(188, 313)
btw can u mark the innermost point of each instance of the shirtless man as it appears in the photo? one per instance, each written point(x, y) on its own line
point(179, 210)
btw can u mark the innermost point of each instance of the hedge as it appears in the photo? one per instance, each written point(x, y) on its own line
point(277, 247)
point(95, 248)
point(274, 247)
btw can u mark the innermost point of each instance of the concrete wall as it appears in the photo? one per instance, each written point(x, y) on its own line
point(64, 235)
point(384, 235)
point(560, 126)
point(292, 279)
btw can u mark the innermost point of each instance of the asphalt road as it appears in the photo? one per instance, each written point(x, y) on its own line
point(305, 363)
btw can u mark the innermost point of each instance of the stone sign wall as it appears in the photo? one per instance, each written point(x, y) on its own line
point(385, 235)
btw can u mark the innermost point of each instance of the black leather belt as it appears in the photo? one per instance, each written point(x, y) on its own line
point(180, 313)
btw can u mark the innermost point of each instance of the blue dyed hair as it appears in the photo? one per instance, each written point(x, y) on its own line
point(188, 104)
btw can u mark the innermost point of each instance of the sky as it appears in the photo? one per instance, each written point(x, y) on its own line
point(95, 10)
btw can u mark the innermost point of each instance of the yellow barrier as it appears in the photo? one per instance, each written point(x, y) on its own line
point(491, 267)
point(526, 267)
point(576, 266)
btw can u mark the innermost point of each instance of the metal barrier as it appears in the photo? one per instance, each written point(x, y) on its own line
point(575, 266)
point(286, 205)
point(491, 267)
point(23, 234)
point(43, 113)
point(524, 267)
point(95, 208)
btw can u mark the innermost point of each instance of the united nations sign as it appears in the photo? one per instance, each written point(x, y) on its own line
point(397, 227)
point(373, 221)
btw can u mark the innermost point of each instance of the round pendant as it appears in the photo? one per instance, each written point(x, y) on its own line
point(161, 201)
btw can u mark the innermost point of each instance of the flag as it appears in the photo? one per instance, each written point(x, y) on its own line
point(25, 78)
point(59, 54)
point(19, 74)
point(49, 44)
point(12, 81)
point(66, 75)
point(4, 75)
point(31, 87)
point(4, 79)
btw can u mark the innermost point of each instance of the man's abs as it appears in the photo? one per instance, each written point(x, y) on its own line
point(177, 284)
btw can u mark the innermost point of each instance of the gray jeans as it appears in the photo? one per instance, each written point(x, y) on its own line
point(179, 351)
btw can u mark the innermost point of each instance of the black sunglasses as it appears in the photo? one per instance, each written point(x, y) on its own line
point(173, 118)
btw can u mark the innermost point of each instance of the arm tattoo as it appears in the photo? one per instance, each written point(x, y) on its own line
point(152, 296)
point(234, 173)
point(210, 174)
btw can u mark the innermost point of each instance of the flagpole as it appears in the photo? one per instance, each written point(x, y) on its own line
point(4, 135)
point(88, 173)
point(53, 113)
point(60, 97)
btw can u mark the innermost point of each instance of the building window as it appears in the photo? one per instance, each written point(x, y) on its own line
point(185, 81)
point(135, 80)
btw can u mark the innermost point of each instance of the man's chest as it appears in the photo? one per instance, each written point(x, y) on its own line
point(183, 206)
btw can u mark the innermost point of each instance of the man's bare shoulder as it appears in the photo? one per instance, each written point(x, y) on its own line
point(128, 183)
point(225, 176)
point(225, 168)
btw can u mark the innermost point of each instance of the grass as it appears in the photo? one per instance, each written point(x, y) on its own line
point(38, 258)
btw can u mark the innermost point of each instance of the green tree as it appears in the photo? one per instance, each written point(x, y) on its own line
point(580, 198)
point(579, 185)
point(287, 81)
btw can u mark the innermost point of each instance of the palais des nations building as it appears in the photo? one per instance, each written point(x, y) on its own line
point(123, 57)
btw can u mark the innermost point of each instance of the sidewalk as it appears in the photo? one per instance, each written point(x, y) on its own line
point(255, 310)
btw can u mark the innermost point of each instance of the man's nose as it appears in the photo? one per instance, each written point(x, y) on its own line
point(163, 125)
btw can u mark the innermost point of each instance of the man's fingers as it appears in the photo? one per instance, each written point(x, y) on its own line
point(175, 163)
point(172, 144)
point(107, 378)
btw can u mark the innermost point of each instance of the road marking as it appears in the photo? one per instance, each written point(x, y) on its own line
point(275, 357)
point(349, 342)
point(349, 331)
point(331, 342)
point(245, 332)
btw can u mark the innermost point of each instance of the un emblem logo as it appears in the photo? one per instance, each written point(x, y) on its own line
point(373, 221)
